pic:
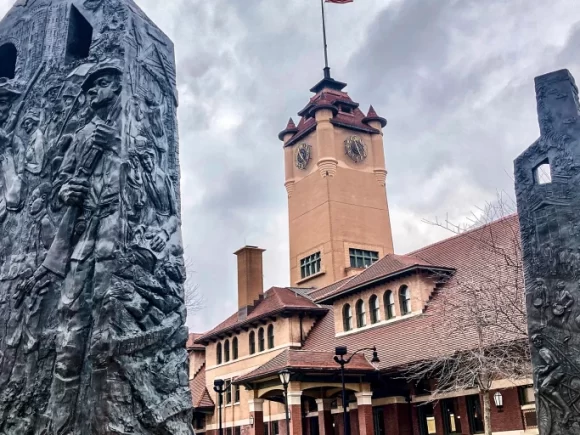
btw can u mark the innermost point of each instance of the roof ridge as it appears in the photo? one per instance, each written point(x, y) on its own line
point(465, 233)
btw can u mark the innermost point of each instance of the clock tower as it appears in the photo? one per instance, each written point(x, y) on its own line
point(335, 177)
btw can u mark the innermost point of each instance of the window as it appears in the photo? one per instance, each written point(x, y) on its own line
point(451, 421)
point(474, 414)
point(360, 258)
point(236, 394)
point(235, 348)
point(427, 419)
point(347, 317)
point(310, 265)
point(227, 350)
point(237, 430)
point(218, 353)
point(389, 302)
point(375, 309)
point(80, 36)
point(379, 421)
point(228, 387)
point(543, 173)
point(271, 337)
point(405, 300)
point(527, 395)
point(199, 421)
point(275, 428)
point(8, 56)
point(360, 314)
point(252, 343)
point(228, 431)
point(261, 342)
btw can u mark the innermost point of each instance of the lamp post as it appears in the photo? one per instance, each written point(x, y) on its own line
point(219, 387)
point(285, 379)
point(340, 353)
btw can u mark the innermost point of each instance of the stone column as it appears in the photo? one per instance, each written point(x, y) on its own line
point(547, 182)
point(364, 401)
point(256, 407)
point(324, 417)
point(295, 410)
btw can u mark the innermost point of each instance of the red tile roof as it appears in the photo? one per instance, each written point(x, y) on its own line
point(477, 257)
point(389, 266)
point(276, 301)
point(300, 360)
point(191, 345)
point(199, 394)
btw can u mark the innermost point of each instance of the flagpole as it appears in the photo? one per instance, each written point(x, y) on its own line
point(326, 67)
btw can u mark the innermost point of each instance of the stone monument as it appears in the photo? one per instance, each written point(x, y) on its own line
point(91, 262)
point(547, 179)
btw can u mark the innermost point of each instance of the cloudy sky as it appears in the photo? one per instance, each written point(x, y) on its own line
point(453, 77)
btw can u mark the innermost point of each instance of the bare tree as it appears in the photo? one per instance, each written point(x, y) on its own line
point(194, 300)
point(483, 309)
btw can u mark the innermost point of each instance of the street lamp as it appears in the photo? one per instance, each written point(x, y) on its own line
point(498, 399)
point(285, 379)
point(340, 353)
point(219, 387)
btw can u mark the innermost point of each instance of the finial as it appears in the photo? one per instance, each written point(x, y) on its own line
point(372, 116)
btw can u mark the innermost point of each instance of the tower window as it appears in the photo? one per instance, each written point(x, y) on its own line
point(8, 56)
point(310, 265)
point(543, 173)
point(360, 258)
point(80, 36)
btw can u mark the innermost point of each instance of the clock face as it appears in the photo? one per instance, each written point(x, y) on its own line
point(303, 155)
point(355, 149)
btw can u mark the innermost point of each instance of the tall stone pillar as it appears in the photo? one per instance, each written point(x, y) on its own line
point(256, 407)
point(364, 402)
point(324, 417)
point(91, 258)
point(547, 181)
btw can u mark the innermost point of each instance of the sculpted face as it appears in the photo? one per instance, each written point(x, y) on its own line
point(29, 125)
point(37, 202)
point(103, 91)
point(147, 162)
point(5, 106)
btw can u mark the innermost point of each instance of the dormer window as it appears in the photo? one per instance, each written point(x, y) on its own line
point(346, 109)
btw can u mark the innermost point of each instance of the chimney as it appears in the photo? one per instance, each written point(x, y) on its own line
point(250, 278)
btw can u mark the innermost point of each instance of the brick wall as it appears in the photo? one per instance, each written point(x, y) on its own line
point(511, 418)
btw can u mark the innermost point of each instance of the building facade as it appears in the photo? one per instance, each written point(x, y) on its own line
point(350, 289)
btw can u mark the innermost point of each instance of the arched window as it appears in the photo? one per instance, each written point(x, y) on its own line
point(347, 317)
point(235, 348)
point(261, 341)
point(8, 56)
point(218, 353)
point(405, 300)
point(271, 337)
point(360, 314)
point(252, 343)
point(375, 309)
point(389, 302)
point(227, 350)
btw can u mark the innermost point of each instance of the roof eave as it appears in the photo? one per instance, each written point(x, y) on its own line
point(381, 279)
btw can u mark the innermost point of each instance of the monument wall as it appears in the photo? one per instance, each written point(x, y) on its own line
point(91, 262)
point(547, 178)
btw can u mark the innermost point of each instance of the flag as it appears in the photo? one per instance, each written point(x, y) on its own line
point(339, 1)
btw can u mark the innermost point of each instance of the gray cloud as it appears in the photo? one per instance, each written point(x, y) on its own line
point(454, 78)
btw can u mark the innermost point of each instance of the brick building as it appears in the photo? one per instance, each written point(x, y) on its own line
point(348, 289)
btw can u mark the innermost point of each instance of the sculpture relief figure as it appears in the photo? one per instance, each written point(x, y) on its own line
point(35, 151)
point(540, 300)
point(550, 376)
point(160, 221)
point(10, 154)
point(86, 241)
point(563, 307)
